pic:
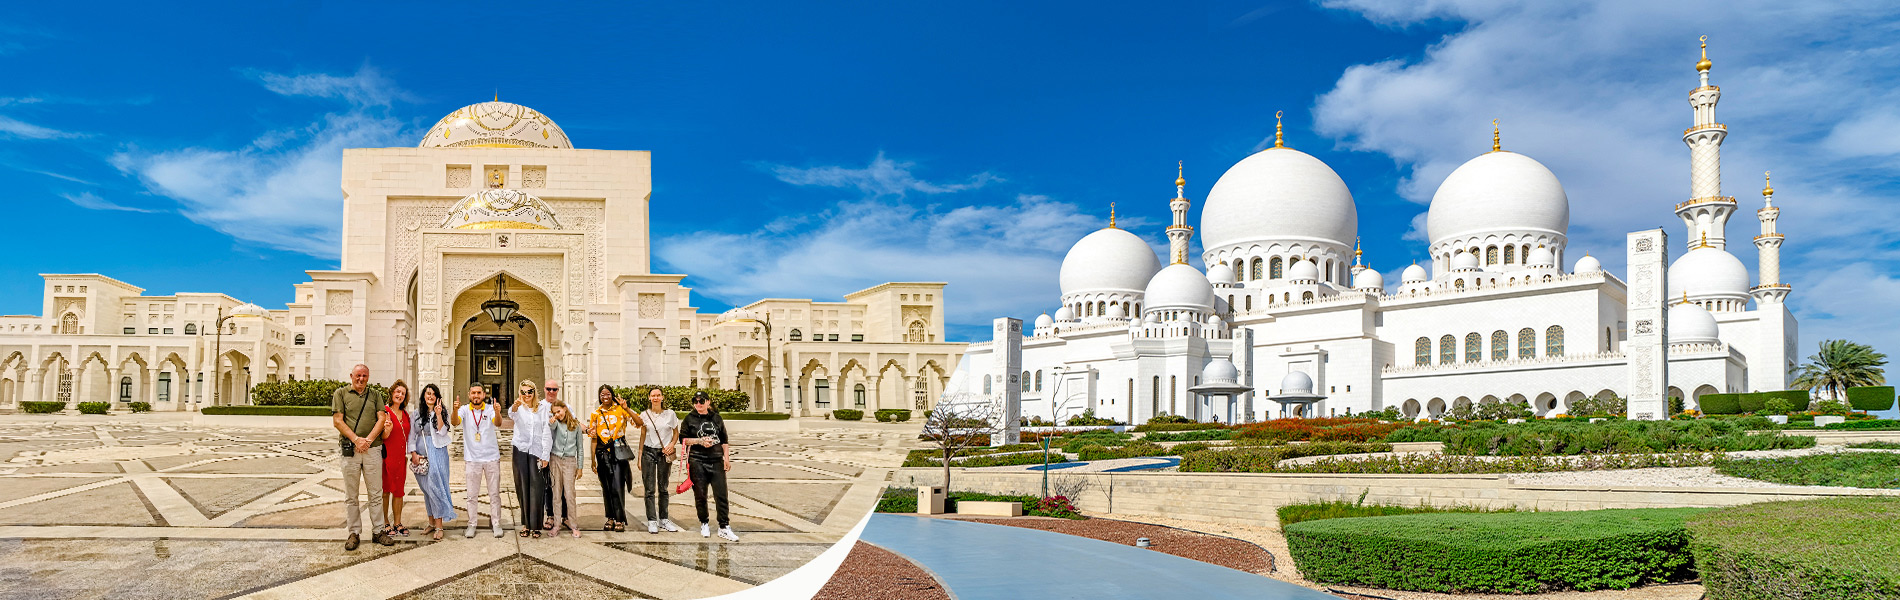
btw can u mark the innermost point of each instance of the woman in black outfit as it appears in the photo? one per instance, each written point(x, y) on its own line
point(707, 461)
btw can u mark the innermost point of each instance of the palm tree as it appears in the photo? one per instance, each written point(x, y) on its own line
point(1839, 365)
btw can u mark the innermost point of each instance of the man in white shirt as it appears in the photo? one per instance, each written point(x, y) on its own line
point(481, 455)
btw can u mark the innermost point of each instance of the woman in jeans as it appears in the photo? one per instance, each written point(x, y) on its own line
point(429, 444)
point(608, 423)
point(659, 429)
point(564, 433)
point(530, 422)
point(707, 462)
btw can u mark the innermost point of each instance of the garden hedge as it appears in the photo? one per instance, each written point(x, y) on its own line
point(308, 392)
point(1800, 398)
point(742, 416)
point(680, 398)
point(281, 411)
point(1514, 553)
point(1721, 404)
point(1870, 398)
point(1753, 402)
point(892, 415)
point(1262, 459)
point(42, 408)
point(1540, 438)
point(1830, 549)
point(848, 414)
point(94, 408)
point(140, 407)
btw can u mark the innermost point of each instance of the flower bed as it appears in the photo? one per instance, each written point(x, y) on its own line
point(1569, 438)
point(1193, 435)
point(1831, 549)
point(1263, 459)
point(1429, 464)
point(1510, 553)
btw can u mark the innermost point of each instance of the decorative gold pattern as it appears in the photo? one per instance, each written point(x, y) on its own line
point(1111, 215)
point(1496, 140)
point(495, 124)
point(501, 209)
point(1706, 200)
point(1705, 126)
point(1279, 141)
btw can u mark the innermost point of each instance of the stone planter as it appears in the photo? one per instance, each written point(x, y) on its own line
point(1826, 420)
point(1404, 447)
point(1779, 419)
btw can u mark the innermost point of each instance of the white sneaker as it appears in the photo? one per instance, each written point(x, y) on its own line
point(705, 530)
point(667, 525)
point(497, 531)
point(653, 526)
point(726, 532)
point(470, 533)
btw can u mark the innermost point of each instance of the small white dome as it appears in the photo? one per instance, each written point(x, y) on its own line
point(1064, 315)
point(1278, 194)
point(1464, 261)
point(1690, 324)
point(1369, 279)
point(1044, 322)
point(495, 125)
point(1587, 264)
point(1708, 272)
point(1154, 318)
point(1220, 273)
point(1179, 286)
point(1414, 274)
point(1109, 259)
point(1296, 383)
point(1220, 370)
point(1302, 270)
point(1115, 311)
point(1541, 257)
point(1498, 192)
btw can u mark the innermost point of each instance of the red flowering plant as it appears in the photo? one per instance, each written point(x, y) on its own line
point(1057, 506)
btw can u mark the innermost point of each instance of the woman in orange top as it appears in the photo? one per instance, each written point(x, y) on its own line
point(606, 424)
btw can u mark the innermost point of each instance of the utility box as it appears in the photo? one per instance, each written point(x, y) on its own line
point(930, 500)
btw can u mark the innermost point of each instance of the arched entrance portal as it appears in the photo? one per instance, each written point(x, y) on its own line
point(499, 355)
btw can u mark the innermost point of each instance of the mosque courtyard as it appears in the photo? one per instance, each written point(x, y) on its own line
point(155, 506)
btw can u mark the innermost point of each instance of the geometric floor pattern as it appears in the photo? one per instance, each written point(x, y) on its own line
point(153, 506)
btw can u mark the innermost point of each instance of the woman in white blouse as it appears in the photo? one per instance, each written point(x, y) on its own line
point(529, 416)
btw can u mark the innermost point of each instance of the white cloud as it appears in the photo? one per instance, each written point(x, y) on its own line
point(92, 201)
point(281, 190)
point(997, 259)
point(1598, 93)
point(10, 127)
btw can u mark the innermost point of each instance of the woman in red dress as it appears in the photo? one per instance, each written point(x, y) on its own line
point(396, 457)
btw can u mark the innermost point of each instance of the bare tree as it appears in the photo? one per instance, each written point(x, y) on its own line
point(1070, 486)
point(959, 422)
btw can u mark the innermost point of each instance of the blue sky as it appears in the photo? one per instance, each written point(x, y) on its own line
point(807, 151)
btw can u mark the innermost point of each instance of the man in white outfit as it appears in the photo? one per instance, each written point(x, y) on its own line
point(481, 453)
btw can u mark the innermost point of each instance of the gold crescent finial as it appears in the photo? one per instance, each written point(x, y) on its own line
point(1496, 142)
point(1111, 215)
point(1279, 141)
point(497, 94)
point(1705, 64)
point(1179, 178)
point(1767, 185)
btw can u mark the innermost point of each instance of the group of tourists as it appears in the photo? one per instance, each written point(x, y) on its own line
point(383, 440)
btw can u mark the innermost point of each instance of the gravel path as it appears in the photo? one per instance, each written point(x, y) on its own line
point(874, 573)
point(1229, 552)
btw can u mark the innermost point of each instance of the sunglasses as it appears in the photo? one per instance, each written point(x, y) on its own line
point(553, 389)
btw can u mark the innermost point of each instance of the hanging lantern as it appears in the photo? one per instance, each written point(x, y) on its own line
point(500, 308)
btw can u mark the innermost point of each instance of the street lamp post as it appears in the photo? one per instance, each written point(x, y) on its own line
point(217, 359)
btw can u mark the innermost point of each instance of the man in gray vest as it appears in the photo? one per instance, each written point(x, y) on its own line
point(357, 412)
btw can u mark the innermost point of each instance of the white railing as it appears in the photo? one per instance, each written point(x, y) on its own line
point(1499, 288)
point(1503, 364)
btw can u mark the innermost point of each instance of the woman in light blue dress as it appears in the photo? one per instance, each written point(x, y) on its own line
point(429, 442)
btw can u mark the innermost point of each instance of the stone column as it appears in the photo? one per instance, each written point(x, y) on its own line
point(1648, 345)
point(35, 391)
point(151, 387)
point(1008, 347)
point(874, 390)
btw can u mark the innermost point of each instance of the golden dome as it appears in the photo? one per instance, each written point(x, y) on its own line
point(495, 124)
point(1767, 189)
point(1705, 64)
point(1179, 178)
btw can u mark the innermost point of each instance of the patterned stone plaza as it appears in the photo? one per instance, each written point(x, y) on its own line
point(153, 506)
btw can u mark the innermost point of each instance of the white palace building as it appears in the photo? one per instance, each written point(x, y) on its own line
point(494, 251)
point(1288, 310)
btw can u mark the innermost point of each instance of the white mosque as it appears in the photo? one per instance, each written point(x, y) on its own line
point(1288, 310)
point(491, 252)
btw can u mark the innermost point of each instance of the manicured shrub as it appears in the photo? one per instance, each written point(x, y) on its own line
point(1443, 464)
point(1867, 425)
point(1168, 419)
point(140, 407)
point(1263, 459)
point(1830, 549)
point(281, 411)
point(1195, 435)
point(1778, 406)
point(42, 408)
point(1870, 398)
point(1581, 437)
point(847, 414)
point(307, 392)
point(1179, 426)
point(898, 500)
point(1721, 404)
point(1798, 398)
point(746, 416)
point(1132, 450)
point(892, 415)
point(680, 397)
point(1876, 445)
point(1846, 469)
point(1088, 418)
point(93, 408)
point(1341, 509)
point(1509, 553)
point(1356, 432)
point(1753, 402)
point(1180, 449)
point(1831, 407)
point(1422, 432)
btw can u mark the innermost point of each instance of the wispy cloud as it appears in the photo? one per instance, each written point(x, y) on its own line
point(280, 190)
point(92, 201)
point(1596, 91)
point(999, 257)
point(15, 128)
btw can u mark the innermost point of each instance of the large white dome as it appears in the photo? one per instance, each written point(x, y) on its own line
point(495, 125)
point(1691, 324)
point(1501, 192)
point(1179, 286)
point(1279, 194)
point(1708, 272)
point(1109, 259)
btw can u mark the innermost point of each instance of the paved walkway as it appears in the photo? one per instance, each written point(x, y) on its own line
point(978, 561)
point(203, 512)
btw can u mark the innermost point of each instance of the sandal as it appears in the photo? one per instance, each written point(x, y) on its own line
point(437, 533)
point(399, 530)
point(537, 534)
point(524, 532)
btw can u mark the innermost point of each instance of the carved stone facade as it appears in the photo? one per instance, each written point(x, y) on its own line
point(1648, 345)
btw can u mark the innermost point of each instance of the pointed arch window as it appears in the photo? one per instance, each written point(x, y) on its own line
point(1526, 343)
point(1255, 269)
point(1275, 268)
point(1554, 341)
point(125, 389)
point(796, 336)
point(191, 329)
point(1025, 381)
point(686, 343)
point(1422, 352)
point(1474, 347)
point(298, 342)
point(1038, 381)
point(1500, 345)
point(1510, 254)
point(1447, 350)
point(987, 382)
point(1459, 284)
point(1490, 256)
point(1306, 296)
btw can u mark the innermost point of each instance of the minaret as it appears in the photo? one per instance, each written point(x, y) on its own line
point(1769, 243)
point(1357, 255)
point(1706, 212)
point(1180, 231)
